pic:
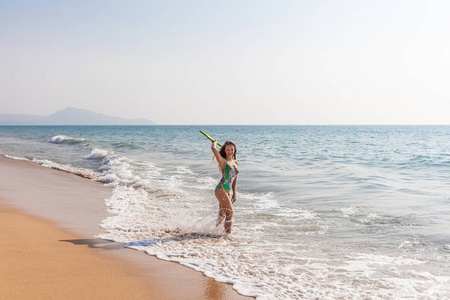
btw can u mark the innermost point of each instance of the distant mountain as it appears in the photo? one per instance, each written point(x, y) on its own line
point(70, 116)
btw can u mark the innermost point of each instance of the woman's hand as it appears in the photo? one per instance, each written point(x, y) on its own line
point(233, 198)
point(214, 144)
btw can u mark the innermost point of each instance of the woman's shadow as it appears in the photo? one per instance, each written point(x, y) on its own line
point(173, 238)
point(112, 245)
point(96, 243)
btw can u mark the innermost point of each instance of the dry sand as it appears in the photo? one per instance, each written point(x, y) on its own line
point(39, 262)
point(48, 223)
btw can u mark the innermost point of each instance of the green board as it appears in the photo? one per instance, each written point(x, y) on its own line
point(209, 138)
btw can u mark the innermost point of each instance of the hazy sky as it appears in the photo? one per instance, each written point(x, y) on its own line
point(229, 62)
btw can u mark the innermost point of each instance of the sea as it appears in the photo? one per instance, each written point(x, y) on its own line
point(322, 212)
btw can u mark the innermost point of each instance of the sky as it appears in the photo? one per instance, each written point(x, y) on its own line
point(231, 62)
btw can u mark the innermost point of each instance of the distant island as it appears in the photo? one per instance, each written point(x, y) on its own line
point(70, 116)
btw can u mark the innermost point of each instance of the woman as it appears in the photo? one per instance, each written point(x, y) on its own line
point(228, 164)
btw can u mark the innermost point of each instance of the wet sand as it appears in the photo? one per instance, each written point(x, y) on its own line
point(48, 223)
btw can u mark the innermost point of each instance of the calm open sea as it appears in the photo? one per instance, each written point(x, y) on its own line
point(328, 212)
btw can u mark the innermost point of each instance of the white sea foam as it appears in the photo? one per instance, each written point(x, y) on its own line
point(261, 201)
point(349, 211)
point(86, 173)
point(205, 183)
point(298, 214)
point(16, 157)
point(412, 244)
point(254, 267)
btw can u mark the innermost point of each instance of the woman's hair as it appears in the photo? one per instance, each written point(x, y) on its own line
point(222, 150)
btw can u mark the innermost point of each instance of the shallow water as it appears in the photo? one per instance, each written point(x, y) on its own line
point(323, 211)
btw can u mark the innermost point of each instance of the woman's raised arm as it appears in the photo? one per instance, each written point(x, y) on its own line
point(222, 161)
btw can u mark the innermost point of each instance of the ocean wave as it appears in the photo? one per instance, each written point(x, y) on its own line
point(262, 201)
point(97, 153)
point(64, 139)
point(15, 157)
point(373, 222)
point(126, 145)
point(116, 170)
point(85, 173)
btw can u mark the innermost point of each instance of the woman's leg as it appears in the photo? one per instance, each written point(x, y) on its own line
point(225, 209)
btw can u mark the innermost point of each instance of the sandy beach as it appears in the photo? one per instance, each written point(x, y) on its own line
point(48, 223)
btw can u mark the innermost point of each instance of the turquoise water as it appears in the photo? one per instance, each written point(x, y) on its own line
point(323, 211)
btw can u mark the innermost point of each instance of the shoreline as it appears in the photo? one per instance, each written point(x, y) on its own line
point(76, 206)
